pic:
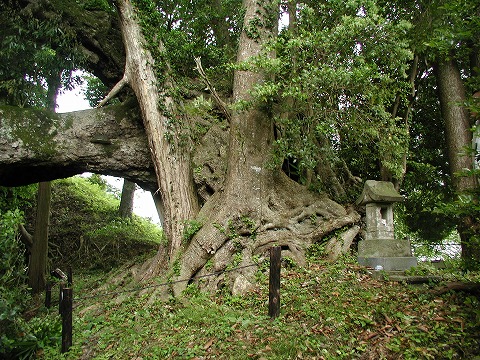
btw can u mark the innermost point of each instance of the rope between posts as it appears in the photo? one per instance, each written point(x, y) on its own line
point(216, 273)
point(66, 296)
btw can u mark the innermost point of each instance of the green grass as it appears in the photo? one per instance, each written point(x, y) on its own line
point(329, 311)
point(86, 231)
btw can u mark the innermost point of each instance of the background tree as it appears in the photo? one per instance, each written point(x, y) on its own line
point(443, 36)
point(125, 208)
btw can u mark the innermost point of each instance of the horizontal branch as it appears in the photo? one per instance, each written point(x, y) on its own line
point(36, 145)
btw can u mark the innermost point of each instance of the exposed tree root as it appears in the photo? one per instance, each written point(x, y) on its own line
point(238, 231)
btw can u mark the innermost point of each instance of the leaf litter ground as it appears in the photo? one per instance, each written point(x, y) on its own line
point(329, 311)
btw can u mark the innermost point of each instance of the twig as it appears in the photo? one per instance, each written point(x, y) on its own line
point(210, 87)
point(115, 90)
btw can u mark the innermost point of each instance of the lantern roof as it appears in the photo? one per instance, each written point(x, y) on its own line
point(378, 192)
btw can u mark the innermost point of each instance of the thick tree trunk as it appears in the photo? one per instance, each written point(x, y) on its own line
point(459, 138)
point(125, 210)
point(170, 158)
point(109, 141)
point(38, 259)
point(457, 122)
point(256, 208)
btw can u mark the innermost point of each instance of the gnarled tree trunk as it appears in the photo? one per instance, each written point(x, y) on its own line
point(259, 206)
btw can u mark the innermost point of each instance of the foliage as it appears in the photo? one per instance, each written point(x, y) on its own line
point(37, 334)
point(328, 310)
point(95, 90)
point(13, 290)
point(423, 193)
point(333, 91)
point(37, 56)
point(16, 198)
point(190, 229)
point(191, 29)
point(12, 266)
point(465, 208)
point(13, 294)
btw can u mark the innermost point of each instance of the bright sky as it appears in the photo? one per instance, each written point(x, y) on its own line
point(143, 204)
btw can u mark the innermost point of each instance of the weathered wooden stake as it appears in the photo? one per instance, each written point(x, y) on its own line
point(48, 294)
point(66, 305)
point(69, 277)
point(274, 282)
point(61, 286)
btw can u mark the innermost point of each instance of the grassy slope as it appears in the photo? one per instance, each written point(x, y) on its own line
point(86, 232)
point(329, 311)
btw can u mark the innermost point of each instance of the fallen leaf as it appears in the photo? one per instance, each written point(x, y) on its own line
point(423, 328)
point(209, 343)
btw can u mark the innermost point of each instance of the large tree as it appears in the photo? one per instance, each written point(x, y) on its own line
point(445, 37)
point(311, 106)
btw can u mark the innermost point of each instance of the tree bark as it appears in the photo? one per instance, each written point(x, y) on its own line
point(125, 210)
point(38, 258)
point(459, 139)
point(170, 158)
point(457, 122)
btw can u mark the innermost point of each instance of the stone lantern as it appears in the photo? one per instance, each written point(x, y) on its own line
point(380, 249)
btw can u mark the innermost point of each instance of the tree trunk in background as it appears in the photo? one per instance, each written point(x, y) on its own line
point(125, 210)
point(157, 200)
point(39, 255)
point(38, 260)
point(459, 139)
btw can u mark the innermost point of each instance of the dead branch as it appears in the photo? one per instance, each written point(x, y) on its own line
point(220, 102)
point(25, 237)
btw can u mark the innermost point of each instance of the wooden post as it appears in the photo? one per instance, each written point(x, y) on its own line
point(61, 286)
point(274, 282)
point(48, 295)
point(66, 305)
point(69, 277)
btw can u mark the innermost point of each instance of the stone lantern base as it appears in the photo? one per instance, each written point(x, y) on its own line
point(390, 254)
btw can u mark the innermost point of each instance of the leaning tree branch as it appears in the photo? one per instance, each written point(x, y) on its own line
point(223, 106)
point(115, 90)
point(25, 236)
point(38, 145)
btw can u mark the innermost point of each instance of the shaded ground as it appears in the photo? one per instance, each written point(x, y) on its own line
point(329, 311)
